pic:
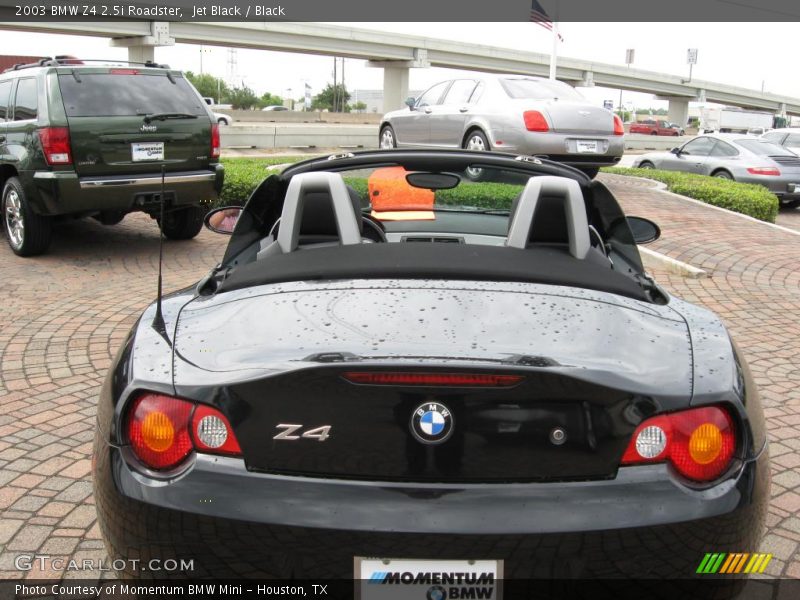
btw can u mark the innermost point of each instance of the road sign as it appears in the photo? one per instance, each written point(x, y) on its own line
point(629, 53)
point(691, 56)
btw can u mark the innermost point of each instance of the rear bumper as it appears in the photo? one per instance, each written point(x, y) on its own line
point(230, 521)
point(561, 147)
point(58, 193)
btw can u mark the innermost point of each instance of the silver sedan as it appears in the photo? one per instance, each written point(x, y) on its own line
point(732, 156)
point(508, 113)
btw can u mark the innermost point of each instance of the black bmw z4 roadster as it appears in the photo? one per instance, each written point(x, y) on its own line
point(424, 361)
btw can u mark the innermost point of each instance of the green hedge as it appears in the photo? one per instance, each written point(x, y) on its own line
point(242, 176)
point(746, 198)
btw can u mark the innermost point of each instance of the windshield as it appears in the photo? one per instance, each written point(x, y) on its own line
point(127, 93)
point(764, 148)
point(539, 89)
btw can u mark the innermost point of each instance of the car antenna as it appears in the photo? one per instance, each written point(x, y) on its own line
point(158, 321)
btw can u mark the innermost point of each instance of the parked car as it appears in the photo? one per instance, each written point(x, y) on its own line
point(436, 382)
point(653, 127)
point(223, 119)
point(274, 107)
point(788, 137)
point(734, 156)
point(90, 139)
point(515, 114)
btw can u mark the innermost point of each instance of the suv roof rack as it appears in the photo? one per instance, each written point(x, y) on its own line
point(66, 61)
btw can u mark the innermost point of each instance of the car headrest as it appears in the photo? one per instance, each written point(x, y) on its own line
point(550, 210)
point(319, 189)
point(318, 217)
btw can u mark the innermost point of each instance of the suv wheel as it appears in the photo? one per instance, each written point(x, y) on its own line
point(28, 233)
point(183, 224)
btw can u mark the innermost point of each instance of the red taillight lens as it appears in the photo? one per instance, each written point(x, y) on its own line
point(55, 145)
point(619, 128)
point(699, 443)
point(163, 431)
point(212, 433)
point(433, 379)
point(763, 171)
point(215, 143)
point(535, 121)
point(158, 430)
point(124, 71)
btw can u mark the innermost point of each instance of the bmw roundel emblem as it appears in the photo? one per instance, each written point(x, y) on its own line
point(432, 423)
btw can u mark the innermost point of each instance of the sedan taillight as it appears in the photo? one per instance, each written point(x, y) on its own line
point(700, 443)
point(619, 128)
point(764, 171)
point(163, 431)
point(535, 121)
point(216, 148)
point(56, 145)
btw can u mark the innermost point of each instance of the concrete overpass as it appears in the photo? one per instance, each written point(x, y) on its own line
point(397, 53)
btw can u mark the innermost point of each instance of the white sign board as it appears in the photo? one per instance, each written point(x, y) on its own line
point(691, 56)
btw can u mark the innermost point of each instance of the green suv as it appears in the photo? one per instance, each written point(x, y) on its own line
point(94, 139)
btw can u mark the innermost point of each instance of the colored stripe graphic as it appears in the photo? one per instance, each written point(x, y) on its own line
point(377, 577)
point(722, 563)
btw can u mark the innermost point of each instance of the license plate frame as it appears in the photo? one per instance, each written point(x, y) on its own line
point(147, 151)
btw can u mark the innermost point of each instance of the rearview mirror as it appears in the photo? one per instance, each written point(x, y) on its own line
point(675, 151)
point(223, 220)
point(410, 102)
point(644, 230)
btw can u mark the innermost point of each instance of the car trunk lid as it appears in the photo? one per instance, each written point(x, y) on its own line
point(303, 361)
point(578, 117)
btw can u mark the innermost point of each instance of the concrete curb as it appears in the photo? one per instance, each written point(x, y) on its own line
point(656, 260)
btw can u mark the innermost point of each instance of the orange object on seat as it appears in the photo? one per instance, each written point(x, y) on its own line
point(390, 193)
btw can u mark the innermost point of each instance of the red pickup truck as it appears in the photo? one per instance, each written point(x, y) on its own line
point(651, 127)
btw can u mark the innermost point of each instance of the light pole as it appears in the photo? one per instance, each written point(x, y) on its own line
point(629, 55)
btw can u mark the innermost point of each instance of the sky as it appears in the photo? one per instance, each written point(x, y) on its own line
point(749, 55)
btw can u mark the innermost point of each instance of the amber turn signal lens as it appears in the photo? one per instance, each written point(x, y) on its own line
point(705, 443)
point(158, 434)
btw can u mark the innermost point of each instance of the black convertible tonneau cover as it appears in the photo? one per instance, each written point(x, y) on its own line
point(548, 265)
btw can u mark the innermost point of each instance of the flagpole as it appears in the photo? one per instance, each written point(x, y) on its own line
point(554, 52)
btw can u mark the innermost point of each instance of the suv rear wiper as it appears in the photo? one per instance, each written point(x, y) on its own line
point(164, 116)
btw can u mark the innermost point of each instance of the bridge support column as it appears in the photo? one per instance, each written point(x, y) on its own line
point(678, 111)
point(141, 48)
point(395, 87)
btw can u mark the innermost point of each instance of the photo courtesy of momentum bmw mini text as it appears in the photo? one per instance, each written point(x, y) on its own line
point(386, 301)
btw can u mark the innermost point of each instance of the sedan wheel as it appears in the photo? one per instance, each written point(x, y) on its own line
point(478, 143)
point(387, 138)
point(723, 175)
point(647, 165)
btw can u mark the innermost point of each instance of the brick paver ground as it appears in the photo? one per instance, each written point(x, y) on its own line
point(66, 313)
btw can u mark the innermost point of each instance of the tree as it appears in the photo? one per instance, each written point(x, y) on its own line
point(270, 100)
point(359, 106)
point(209, 86)
point(324, 100)
point(243, 98)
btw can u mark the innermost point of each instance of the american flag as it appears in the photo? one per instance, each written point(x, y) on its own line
point(540, 17)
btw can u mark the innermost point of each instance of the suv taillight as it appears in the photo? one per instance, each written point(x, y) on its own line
point(215, 144)
point(163, 431)
point(700, 442)
point(55, 145)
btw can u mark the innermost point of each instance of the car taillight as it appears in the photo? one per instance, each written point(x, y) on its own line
point(619, 129)
point(55, 145)
point(432, 379)
point(163, 431)
point(535, 121)
point(215, 144)
point(699, 442)
point(763, 171)
point(212, 433)
point(124, 71)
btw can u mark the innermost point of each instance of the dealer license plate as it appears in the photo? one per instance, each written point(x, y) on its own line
point(142, 151)
point(587, 146)
point(428, 579)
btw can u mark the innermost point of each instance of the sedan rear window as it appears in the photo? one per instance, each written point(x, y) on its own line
point(764, 148)
point(538, 89)
point(118, 95)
